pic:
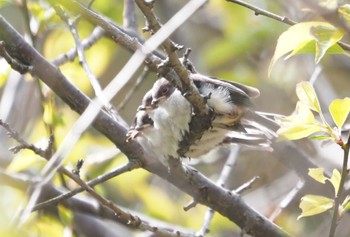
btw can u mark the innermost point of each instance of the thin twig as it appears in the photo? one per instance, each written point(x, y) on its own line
point(128, 218)
point(72, 24)
point(259, 11)
point(225, 173)
point(284, 19)
point(132, 90)
point(186, 85)
point(339, 196)
point(231, 205)
point(100, 179)
point(125, 217)
point(25, 11)
point(287, 200)
point(23, 144)
point(202, 118)
point(246, 185)
point(129, 17)
point(86, 43)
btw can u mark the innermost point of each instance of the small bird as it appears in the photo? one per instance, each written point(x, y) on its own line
point(165, 114)
point(165, 133)
point(169, 100)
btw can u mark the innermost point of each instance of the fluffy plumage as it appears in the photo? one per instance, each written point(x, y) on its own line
point(164, 116)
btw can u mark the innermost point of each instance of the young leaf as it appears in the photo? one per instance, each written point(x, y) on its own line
point(344, 11)
point(321, 137)
point(298, 131)
point(304, 114)
point(335, 180)
point(300, 39)
point(339, 110)
point(66, 215)
point(307, 96)
point(301, 125)
point(325, 36)
point(345, 206)
point(317, 174)
point(314, 204)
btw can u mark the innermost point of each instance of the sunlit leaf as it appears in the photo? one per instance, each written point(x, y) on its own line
point(317, 174)
point(339, 110)
point(66, 215)
point(335, 180)
point(3, 3)
point(344, 11)
point(325, 36)
point(303, 48)
point(298, 131)
point(304, 114)
point(314, 204)
point(320, 137)
point(301, 125)
point(307, 37)
point(329, 4)
point(307, 95)
point(5, 70)
point(47, 226)
point(26, 161)
point(345, 206)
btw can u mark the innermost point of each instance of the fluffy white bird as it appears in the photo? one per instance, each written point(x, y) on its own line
point(168, 113)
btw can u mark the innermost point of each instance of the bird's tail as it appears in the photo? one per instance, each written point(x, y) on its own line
point(255, 141)
point(264, 122)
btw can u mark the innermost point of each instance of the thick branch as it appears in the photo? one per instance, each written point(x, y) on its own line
point(187, 180)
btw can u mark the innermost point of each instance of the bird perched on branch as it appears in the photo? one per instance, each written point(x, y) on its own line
point(163, 119)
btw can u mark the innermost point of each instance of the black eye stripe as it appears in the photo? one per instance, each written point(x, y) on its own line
point(164, 89)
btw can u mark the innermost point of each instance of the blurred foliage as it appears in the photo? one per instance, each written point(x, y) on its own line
point(303, 124)
point(228, 41)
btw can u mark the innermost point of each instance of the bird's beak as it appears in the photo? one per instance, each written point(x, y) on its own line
point(145, 108)
point(155, 102)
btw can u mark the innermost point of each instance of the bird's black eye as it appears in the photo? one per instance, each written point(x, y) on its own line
point(164, 89)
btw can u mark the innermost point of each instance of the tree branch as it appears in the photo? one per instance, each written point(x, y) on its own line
point(284, 19)
point(186, 179)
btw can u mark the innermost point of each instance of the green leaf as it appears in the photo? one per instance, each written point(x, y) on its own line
point(298, 131)
point(320, 137)
point(344, 11)
point(304, 114)
point(325, 36)
point(307, 37)
point(301, 125)
point(3, 3)
point(66, 215)
point(317, 174)
point(339, 110)
point(335, 181)
point(345, 206)
point(328, 4)
point(307, 96)
point(314, 204)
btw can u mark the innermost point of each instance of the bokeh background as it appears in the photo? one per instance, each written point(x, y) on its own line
point(227, 41)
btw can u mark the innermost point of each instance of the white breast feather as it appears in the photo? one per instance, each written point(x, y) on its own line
point(219, 100)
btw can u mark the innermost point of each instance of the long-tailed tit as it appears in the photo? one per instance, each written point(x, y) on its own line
point(166, 133)
point(169, 100)
point(166, 115)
